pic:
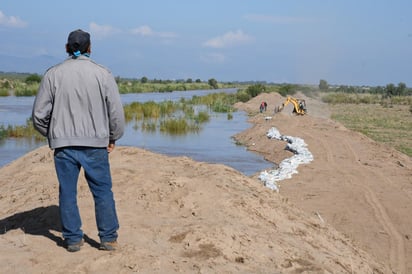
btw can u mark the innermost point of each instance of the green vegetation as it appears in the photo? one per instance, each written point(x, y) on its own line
point(323, 85)
point(21, 84)
point(351, 98)
point(217, 102)
point(155, 85)
point(33, 78)
point(178, 126)
point(138, 87)
point(24, 131)
point(4, 92)
point(365, 98)
point(387, 91)
point(171, 117)
point(179, 117)
point(255, 90)
point(18, 86)
point(385, 120)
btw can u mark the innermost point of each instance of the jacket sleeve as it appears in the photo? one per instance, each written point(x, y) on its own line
point(42, 107)
point(115, 110)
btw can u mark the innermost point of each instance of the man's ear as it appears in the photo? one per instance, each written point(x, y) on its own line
point(89, 49)
point(67, 48)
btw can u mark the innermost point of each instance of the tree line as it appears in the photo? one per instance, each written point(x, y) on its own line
point(387, 91)
point(27, 85)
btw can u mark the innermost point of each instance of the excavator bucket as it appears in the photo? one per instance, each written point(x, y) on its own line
point(279, 108)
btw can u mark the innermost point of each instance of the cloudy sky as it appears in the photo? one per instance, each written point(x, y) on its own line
point(362, 42)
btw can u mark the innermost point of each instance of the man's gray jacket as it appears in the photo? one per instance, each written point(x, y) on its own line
point(78, 104)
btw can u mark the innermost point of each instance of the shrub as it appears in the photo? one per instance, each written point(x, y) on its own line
point(255, 90)
point(202, 117)
point(287, 89)
point(243, 96)
point(33, 78)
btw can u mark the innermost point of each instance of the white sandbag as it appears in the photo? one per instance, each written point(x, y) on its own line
point(289, 166)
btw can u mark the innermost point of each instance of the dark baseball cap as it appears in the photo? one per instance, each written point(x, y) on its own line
point(78, 40)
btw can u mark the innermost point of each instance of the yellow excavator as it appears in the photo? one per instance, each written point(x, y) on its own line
point(299, 106)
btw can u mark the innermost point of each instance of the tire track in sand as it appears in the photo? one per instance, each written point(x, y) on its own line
point(396, 243)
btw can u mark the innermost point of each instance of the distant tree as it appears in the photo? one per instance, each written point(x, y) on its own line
point(198, 81)
point(33, 78)
point(401, 89)
point(390, 90)
point(351, 89)
point(323, 85)
point(213, 83)
point(189, 80)
point(144, 80)
point(376, 90)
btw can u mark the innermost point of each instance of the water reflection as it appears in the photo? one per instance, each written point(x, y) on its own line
point(213, 143)
point(13, 148)
point(15, 110)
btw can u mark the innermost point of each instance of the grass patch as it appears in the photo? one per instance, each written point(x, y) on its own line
point(134, 86)
point(390, 125)
point(24, 131)
point(178, 126)
point(217, 102)
point(4, 92)
point(202, 117)
point(351, 98)
point(170, 117)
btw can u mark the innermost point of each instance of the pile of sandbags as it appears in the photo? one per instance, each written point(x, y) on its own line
point(289, 166)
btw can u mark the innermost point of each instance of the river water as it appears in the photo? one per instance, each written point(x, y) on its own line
point(213, 143)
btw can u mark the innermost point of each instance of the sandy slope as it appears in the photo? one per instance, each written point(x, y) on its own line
point(362, 188)
point(178, 215)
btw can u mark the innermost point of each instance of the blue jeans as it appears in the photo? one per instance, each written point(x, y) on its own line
point(95, 163)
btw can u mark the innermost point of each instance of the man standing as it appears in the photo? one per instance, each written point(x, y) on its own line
point(78, 109)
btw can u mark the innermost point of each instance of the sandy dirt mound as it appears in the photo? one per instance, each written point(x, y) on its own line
point(178, 216)
point(360, 187)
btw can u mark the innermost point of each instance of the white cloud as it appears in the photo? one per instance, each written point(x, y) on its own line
point(143, 31)
point(149, 32)
point(229, 39)
point(213, 58)
point(275, 19)
point(102, 31)
point(11, 21)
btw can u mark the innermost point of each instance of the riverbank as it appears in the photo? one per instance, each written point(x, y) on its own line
point(178, 215)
